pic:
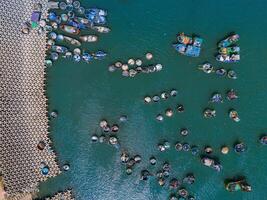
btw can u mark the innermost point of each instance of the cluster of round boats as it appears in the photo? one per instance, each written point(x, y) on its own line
point(163, 96)
point(169, 112)
point(221, 72)
point(163, 176)
point(134, 67)
point(72, 22)
point(218, 98)
point(109, 133)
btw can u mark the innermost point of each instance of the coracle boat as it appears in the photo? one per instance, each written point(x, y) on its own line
point(234, 115)
point(229, 50)
point(59, 49)
point(239, 185)
point(89, 38)
point(72, 41)
point(228, 59)
point(209, 162)
point(263, 140)
point(101, 29)
point(70, 29)
point(229, 41)
point(206, 67)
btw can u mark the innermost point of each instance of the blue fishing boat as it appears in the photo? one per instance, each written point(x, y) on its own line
point(232, 39)
point(181, 48)
point(87, 57)
point(99, 55)
point(192, 51)
point(96, 16)
point(188, 46)
point(59, 49)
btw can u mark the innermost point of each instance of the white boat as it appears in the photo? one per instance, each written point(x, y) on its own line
point(101, 29)
point(89, 38)
point(72, 41)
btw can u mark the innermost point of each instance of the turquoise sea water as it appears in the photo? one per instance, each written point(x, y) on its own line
point(85, 93)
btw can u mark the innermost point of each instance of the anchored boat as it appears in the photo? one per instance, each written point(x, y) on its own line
point(70, 29)
point(72, 41)
point(206, 67)
point(229, 41)
point(89, 38)
point(101, 29)
point(59, 49)
point(228, 59)
point(229, 50)
point(239, 185)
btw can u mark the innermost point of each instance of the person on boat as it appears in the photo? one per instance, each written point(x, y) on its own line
point(147, 99)
point(234, 115)
point(66, 167)
point(115, 128)
point(221, 72)
point(178, 146)
point(263, 140)
point(186, 147)
point(206, 67)
point(216, 98)
point(237, 185)
point(161, 181)
point(173, 93)
point(180, 108)
point(164, 95)
point(183, 193)
point(94, 138)
point(174, 184)
point(208, 150)
point(184, 132)
point(195, 150)
point(232, 74)
point(129, 170)
point(189, 179)
point(145, 175)
point(152, 160)
point(209, 113)
point(124, 157)
point(137, 158)
point(130, 163)
point(231, 95)
point(240, 147)
point(161, 148)
point(54, 114)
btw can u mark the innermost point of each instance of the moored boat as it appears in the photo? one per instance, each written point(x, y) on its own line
point(182, 38)
point(229, 50)
point(232, 39)
point(81, 20)
point(89, 38)
point(59, 49)
point(210, 162)
point(234, 115)
point(99, 55)
point(239, 185)
point(263, 140)
point(70, 29)
point(101, 29)
point(72, 41)
point(228, 59)
point(206, 67)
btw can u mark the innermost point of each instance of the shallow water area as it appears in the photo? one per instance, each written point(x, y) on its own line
point(83, 94)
